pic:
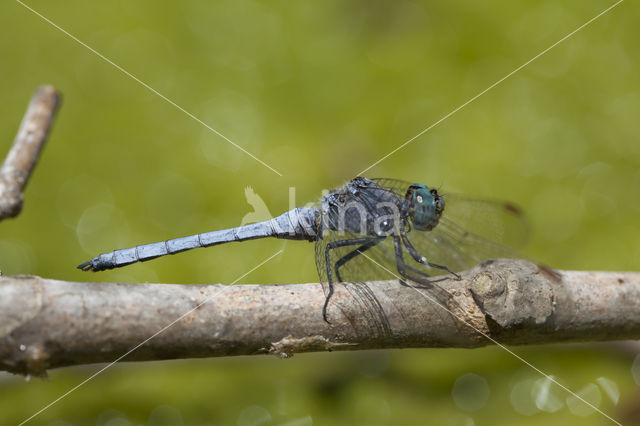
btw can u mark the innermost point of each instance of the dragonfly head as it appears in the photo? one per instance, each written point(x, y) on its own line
point(425, 206)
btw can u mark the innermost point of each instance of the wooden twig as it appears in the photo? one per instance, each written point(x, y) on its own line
point(24, 153)
point(47, 323)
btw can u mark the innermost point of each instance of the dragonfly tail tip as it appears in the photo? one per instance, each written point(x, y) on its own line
point(86, 266)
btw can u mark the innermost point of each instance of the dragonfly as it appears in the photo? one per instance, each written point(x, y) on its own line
point(371, 230)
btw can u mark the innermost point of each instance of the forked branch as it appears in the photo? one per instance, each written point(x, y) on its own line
point(47, 323)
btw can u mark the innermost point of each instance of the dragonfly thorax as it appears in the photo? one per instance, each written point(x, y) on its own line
point(425, 206)
point(363, 207)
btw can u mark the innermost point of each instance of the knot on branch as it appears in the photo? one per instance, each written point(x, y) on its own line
point(513, 293)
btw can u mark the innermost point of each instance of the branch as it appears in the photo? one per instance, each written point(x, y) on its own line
point(24, 153)
point(47, 323)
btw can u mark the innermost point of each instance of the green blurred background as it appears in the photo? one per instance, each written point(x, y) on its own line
point(320, 91)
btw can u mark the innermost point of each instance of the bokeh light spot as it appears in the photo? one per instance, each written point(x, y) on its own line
point(521, 399)
point(253, 415)
point(470, 392)
point(610, 388)
point(591, 394)
point(544, 396)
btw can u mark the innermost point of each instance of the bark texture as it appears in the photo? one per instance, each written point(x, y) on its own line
point(47, 323)
point(24, 153)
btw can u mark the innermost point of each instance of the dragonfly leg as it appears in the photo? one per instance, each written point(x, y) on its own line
point(421, 259)
point(364, 247)
point(332, 245)
point(404, 269)
point(441, 297)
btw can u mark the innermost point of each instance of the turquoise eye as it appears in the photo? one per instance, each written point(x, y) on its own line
point(426, 206)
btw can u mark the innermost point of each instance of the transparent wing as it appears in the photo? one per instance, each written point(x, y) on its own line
point(397, 186)
point(496, 221)
point(470, 231)
point(454, 247)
